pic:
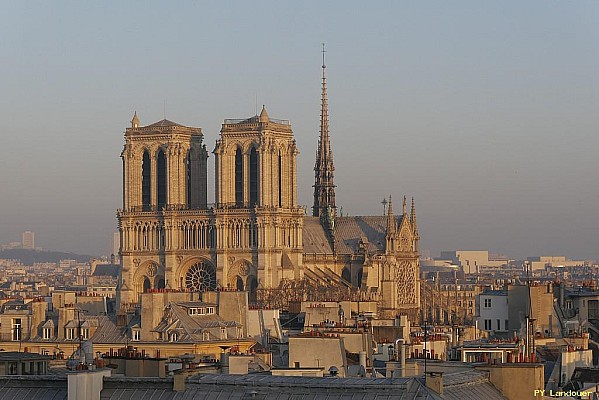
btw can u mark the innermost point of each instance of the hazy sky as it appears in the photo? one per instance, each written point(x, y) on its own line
point(486, 112)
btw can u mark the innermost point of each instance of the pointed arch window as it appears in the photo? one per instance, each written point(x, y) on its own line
point(161, 178)
point(280, 180)
point(254, 198)
point(146, 185)
point(238, 177)
point(188, 176)
point(346, 274)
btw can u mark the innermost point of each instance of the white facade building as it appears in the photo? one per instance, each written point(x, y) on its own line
point(493, 312)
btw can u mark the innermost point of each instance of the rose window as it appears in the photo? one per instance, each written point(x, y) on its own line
point(200, 277)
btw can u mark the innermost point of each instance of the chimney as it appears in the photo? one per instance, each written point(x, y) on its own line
point(179, 382)
point(434, 381)
point(86, 385)
point(362, 358)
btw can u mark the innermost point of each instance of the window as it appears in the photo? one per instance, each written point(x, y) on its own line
point(210, 310)
point(223, 333)
point(161, 178)
point(16, 329)
point(84, 333)
point(174, 336)
point(69, 333)
point(205, 336)
point(145, 181)
point(506, 325)
point(470, 304)
point(254, 198)
point(498, 325)
point(135, 335)
point(238, 177)
point(46, 333)
point(487, 303)
point(487, 324)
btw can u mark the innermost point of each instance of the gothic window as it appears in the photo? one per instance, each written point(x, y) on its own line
point(359, 278)
point(252, 287)
point(345, 274)
point(254, 199)
point(159, 283)
point(147, 285)
point(280, 181)
point(200, 277)
point(146, 196)
point(239, 283)
point(238, 177)
point(188, 176)
point(161, 178)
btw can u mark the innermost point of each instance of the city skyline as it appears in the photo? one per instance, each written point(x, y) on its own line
point(487, 121)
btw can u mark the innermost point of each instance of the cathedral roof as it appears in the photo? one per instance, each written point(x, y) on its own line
point(315, 238)
point(163, 123)
point(349, 231)
point(106, 270)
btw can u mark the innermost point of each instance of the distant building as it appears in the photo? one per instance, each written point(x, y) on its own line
point(471, 260)
point(493, 315)
point(542, 262)
point(28, 241)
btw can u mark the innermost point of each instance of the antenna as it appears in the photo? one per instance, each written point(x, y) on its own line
point(323, 51)
point(164, 108)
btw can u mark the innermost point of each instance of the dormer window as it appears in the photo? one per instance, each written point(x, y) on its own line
point(223, 333)
point(174, 336)
point(210, 310)
point(69, 333)
point(135, 335)
point(205, 336)
point(46, 333)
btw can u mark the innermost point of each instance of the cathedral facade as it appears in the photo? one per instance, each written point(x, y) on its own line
point(254, 236)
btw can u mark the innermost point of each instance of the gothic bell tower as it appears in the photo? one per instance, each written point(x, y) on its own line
point(256, 200)
point(164, 172)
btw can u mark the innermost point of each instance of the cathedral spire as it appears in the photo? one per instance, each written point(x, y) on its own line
point(135, 121)
point(413, 215)
point(391, 225)
point(324, 188)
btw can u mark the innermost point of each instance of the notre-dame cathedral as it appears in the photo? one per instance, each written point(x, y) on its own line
point(255, 236)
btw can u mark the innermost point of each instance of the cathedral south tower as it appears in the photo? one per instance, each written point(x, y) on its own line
point(256, 201)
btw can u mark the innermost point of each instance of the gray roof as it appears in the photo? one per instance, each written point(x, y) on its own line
point(349, 231)
point(315, 239)
point(462, 385)
point(20, 356)
point(164, 122)
point(265, 386)
point(107, 331)
point(106, 270)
